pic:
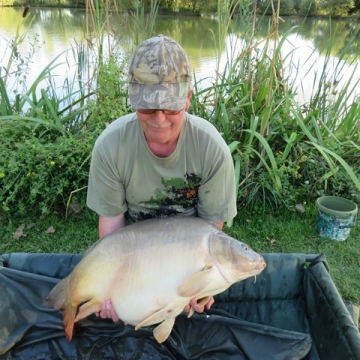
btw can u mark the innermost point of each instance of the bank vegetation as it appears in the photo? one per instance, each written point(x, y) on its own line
point(333, 8)
point(285, 153)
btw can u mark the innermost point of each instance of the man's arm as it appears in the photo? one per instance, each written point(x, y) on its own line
point(109, 224)
point(219, 225)
point(106, 226)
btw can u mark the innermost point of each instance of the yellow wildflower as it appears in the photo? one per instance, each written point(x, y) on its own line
point(52, 163)
point(2, 175)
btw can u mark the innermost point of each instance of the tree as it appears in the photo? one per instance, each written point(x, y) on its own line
point(286, 6)
point(308, 7)
point(337, 7)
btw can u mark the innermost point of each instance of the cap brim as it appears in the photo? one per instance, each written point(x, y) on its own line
point(158, 96)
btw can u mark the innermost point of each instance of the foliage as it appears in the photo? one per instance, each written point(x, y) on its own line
point(48, 129)
point(284, 153)
point(285, 7)
point(336, 7)
point(110, 100)
point(38, 174)
point(145, 20)
point(308, 7)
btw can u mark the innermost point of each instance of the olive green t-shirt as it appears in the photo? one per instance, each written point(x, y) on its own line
point(196, 179)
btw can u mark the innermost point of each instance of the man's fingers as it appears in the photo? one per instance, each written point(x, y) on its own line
point(107, 311)
point(209, 303)
point(114, 316)
point(187, 308)
point(199, 306)
point(194, 304)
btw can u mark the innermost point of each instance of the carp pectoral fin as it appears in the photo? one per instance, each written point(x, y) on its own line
point(191, 313)
point(203, 301)
point(87, 309)
point(155, 318)
point(195, 284)
point(162, 332)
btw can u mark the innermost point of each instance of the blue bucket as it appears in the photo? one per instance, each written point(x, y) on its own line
point(335, 217)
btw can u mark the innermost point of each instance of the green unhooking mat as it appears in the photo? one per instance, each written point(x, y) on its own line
point(293, 311)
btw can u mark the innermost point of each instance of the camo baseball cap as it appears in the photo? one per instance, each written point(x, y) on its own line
point(159, 75)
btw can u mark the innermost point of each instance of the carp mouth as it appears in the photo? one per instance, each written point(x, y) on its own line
point(234, 259)
point(262, 265)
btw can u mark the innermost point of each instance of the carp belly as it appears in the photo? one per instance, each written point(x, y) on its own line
point(166, 296)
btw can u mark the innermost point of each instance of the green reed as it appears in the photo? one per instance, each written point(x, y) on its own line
point(275, 141)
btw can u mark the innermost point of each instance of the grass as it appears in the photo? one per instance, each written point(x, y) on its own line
point(266, 232)
point(72, 235)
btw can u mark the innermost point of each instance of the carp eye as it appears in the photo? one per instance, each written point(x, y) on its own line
point(245, 247)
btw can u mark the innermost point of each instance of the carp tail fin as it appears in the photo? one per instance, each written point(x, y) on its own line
point(58, 299)
point(68, 320)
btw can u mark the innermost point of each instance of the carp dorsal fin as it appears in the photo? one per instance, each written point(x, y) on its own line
point(87, 309)
point(162, 332)
point(196, 283)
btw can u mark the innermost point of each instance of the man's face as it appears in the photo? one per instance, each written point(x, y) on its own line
point(161, 127)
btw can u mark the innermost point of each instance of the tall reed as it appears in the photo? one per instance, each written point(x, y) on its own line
point(271, 135)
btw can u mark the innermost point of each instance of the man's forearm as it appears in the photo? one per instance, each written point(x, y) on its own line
point(109, 224)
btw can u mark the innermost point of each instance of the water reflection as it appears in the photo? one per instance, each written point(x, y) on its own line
point(57, 29)
point(318, 32)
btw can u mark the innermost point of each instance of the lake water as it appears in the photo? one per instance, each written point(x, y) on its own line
point(56, 29)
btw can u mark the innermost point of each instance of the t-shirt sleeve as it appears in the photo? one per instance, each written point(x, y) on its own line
point(106, 192)
point(217, 192)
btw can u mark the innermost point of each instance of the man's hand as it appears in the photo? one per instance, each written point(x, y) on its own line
point(107, 311)
point(198, 305)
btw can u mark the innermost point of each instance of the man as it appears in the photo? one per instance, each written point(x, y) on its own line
point(160, 160)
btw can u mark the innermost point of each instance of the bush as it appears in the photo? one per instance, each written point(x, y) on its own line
point(111, 98)
point(39, 174)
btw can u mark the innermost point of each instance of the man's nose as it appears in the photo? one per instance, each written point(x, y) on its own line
point(159, 117)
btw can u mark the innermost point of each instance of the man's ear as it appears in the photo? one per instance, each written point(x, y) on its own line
point(188, 98)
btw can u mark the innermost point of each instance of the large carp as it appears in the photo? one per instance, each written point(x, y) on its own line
point(151, 270)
